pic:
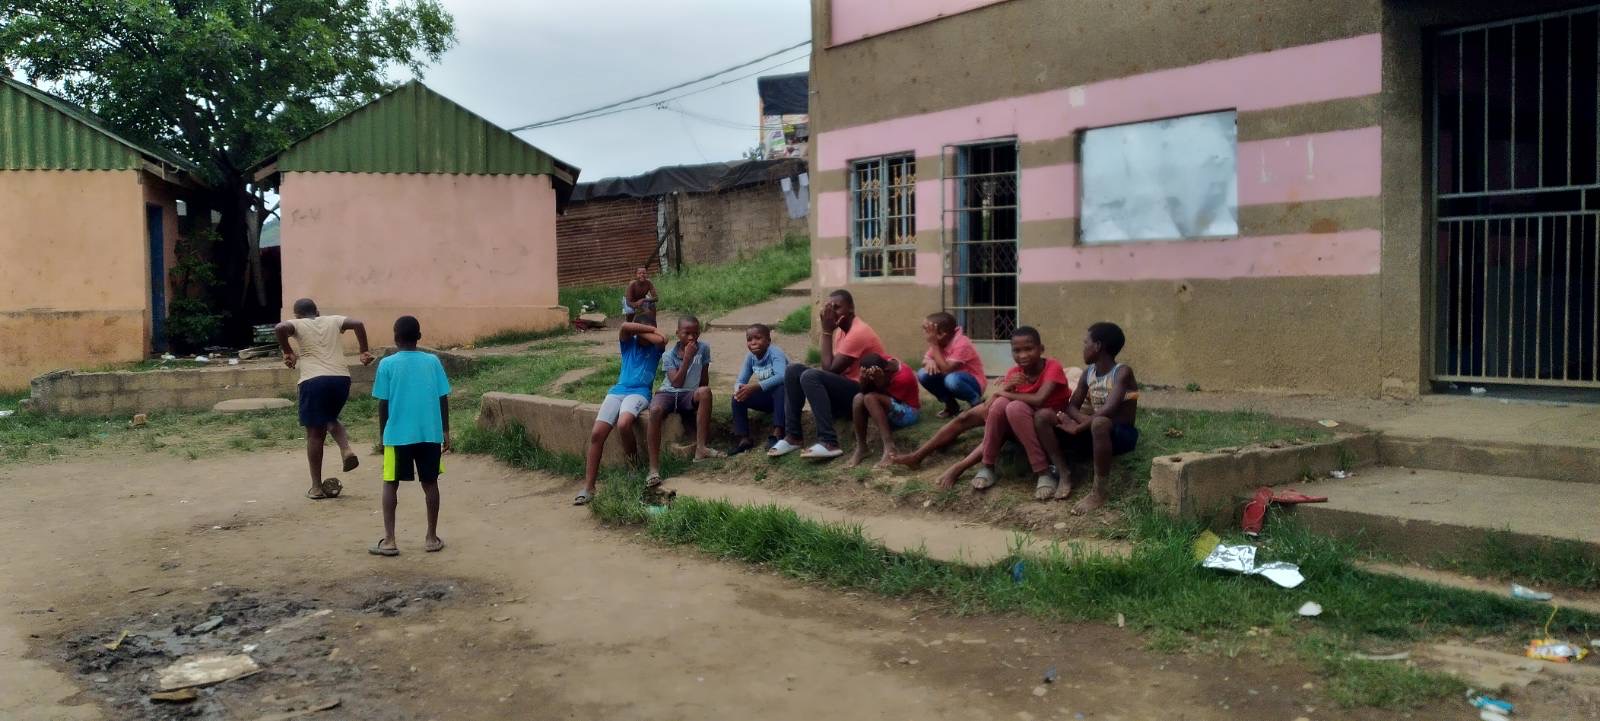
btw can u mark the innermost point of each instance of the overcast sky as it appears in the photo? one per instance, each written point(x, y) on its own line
point(520, 62)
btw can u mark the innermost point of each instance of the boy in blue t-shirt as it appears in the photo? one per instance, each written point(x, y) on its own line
point(641, 345)
point(414, 421)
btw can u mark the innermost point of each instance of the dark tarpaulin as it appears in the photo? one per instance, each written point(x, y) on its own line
point(709, 178)
point(784, 94)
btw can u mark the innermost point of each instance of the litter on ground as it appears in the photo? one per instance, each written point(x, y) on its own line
point(206, 670)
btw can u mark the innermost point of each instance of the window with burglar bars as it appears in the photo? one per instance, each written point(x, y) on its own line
point(883, 217)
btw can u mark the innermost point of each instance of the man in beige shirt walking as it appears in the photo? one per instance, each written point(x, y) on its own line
point(324, 384)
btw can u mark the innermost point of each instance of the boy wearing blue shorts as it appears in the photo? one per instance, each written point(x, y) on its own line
point(414, 421)
point(640, 345)
point(890, 399)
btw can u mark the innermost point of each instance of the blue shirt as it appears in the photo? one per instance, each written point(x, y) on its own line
point(412, 382)
point(767, 371)
point(691, 378)
point(639, 358)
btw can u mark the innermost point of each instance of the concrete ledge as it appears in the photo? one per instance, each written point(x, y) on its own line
point(1204, 484)
point(200, 388)
point(1526, 460)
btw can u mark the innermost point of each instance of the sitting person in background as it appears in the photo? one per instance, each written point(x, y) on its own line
point(640, 295)
point(846, 339)
point(758, 388)
point(889, 399)
point(1035, 382)
point(1098, 421)
point(951, 369)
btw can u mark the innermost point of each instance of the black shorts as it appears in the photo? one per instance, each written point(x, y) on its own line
point(1081, 445)
point(321, 400)
point(413, 461)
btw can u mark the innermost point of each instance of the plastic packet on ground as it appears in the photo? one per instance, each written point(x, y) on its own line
point(1242, 559)
point(1550, 649)
point(1528, 594)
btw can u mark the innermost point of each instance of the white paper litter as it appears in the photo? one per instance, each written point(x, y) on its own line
point(206, 670)
point(1242, 559)
point(1310, 609)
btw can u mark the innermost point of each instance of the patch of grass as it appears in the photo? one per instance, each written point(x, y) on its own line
point(528, 373)
point(1563, 564)
point(513, 337)
point(813, 356)
point(592, 388)
point(1385, 684)
point(1192, 387)
point(710, 290)
point(797, 322)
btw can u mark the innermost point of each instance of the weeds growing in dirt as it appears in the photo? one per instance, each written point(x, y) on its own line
point(1564, 564)
point(798, 321)
point(710, 290)
point(513, 337)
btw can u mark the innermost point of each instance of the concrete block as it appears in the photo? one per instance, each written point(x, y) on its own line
point(95, 383)
point(1207, 485)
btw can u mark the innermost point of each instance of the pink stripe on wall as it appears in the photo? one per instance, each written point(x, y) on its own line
point(1049, 193)
point(1347, 68)
point(857, 19)
point(1323, 166)
point(1313, 254)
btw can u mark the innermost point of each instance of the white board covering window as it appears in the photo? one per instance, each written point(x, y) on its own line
point(1167, 179)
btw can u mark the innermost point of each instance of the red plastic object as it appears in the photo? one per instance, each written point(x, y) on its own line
point(1292, 496)
point(1255, 512)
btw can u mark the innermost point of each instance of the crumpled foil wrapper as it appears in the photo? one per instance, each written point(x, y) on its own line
point(1242, 559)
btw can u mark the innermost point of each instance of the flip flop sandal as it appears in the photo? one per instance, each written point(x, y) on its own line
point(1044, 488)
point(582, 499)
point(652, 481)
point(434, 549)
point(1255, 512)
point(710, 454)
point(322, 497)
point(821, 452)
point(984, 480)
point(332, 487)
point(351, 462)
point(377, 549)
point(740, 448)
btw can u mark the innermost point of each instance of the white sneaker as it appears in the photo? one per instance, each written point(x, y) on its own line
point(782, 448)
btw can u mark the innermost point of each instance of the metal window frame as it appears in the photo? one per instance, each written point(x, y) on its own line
point(899, 226)
point(951, 209)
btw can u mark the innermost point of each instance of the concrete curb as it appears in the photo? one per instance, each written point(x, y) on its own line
point(1205, 484)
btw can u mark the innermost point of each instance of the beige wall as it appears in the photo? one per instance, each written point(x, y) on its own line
point(724, 227)
point(74, 288)
point(469, 255)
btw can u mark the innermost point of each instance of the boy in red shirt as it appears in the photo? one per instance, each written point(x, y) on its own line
point(889, 397)
point(1035, 382)
point(952, 370)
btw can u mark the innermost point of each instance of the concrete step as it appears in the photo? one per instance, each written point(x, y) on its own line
point(1424, 515)
point(799, 289)
point(1555, 462)
point(770, 312)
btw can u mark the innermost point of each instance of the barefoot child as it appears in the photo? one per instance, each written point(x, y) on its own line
point(1099, 419)
point(414, 421)
point(640, 295)
point(686, 390)
point(889, 398)
point(640, 345)
point(324, 384)
point(1035, 382)
point(951, 369)
point(759, 387)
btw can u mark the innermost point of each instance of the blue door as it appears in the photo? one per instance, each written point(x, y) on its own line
point(158, 277)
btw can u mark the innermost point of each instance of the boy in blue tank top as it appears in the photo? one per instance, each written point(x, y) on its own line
point(1098, 420)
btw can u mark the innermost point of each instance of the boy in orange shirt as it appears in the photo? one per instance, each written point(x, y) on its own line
point(846, 339)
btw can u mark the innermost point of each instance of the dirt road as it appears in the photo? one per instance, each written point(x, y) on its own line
point(532, 611)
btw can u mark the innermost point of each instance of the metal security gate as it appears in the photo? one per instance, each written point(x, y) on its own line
point(981, 221)
point(1517, 201)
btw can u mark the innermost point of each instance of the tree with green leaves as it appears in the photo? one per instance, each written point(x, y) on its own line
point(223, 83)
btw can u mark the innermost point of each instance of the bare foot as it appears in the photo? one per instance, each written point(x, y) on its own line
point(1063, 488)
point(1090, 503)
point(909, 460)
point(684, 448)
point(855, 458)
point(884, 462)
point(948, 478)
point(704, 453)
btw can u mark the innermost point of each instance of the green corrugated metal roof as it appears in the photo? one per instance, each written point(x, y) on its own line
point(39, 131)
point(413, 129)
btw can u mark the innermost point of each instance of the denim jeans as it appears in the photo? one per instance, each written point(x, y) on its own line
point(951, 387)
point(824, 391)
point(762, 401)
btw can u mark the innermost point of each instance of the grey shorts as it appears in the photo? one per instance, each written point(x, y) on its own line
point(614, 406)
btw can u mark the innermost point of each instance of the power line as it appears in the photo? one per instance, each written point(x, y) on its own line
point(612, 110)
point(608, 106)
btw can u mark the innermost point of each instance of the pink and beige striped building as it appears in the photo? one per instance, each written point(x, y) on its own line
point(1324, 282)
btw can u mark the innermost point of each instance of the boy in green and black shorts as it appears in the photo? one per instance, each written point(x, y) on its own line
point(414, 420)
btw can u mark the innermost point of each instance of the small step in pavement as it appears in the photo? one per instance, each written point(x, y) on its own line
point(800, 289)
point(1423, 515)
point(770, 312)
point(1556, 462)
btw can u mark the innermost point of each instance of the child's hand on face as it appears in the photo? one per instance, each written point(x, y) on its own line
point(871, 377)
point(689, 348)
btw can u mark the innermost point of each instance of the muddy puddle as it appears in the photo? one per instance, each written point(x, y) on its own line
point(288, 653)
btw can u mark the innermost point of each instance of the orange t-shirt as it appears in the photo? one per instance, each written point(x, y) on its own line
point(859, 341)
